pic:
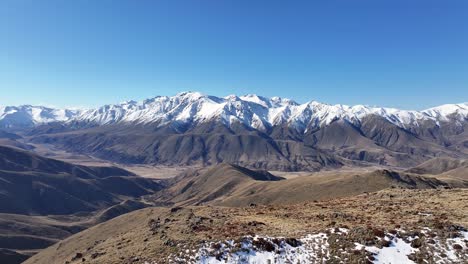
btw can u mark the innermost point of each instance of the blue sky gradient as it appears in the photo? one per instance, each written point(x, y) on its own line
point(400, 53)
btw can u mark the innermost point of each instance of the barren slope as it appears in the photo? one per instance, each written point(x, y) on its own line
point(159, 234)
point(230, 185)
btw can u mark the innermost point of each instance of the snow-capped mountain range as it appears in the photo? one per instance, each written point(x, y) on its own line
point(251, 110)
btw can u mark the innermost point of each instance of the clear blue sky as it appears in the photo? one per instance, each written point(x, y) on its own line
point(411, 54)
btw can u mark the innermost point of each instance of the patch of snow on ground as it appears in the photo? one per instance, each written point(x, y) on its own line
point(259, 250)
point(315, 248)
point(446, 253)
point(397, 252)
point(312, 248)
point(443, 250)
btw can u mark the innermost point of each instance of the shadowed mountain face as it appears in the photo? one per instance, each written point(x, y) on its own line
point(11, 139)
point(31, 184)
point(208, 144)
point(373, 141)
point(7, 135)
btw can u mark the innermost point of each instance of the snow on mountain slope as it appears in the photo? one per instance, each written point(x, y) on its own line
point(27, 115)
point(257, 112)
point(251, 110)
point(443, 112)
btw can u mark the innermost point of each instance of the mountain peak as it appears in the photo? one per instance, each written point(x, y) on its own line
point(190, 94)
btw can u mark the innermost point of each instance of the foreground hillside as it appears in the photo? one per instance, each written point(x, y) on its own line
point(410, 225)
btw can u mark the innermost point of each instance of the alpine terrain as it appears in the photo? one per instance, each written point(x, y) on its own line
point(195, 178)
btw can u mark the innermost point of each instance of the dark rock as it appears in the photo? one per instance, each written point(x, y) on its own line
point(255, 223)
point(385, 243)
point(77, 256)
point(170, 243)
point(416, 243)
point(175, 209)
point(293, 242)
point(457, 247)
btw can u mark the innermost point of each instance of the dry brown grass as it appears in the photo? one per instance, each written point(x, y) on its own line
point(154, 233)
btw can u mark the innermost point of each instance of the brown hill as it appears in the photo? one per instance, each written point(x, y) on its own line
point(216, 183)
point(44, 200)
point(439, 165)
point(21, 236)
point(235, 186)
point(32, 184)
